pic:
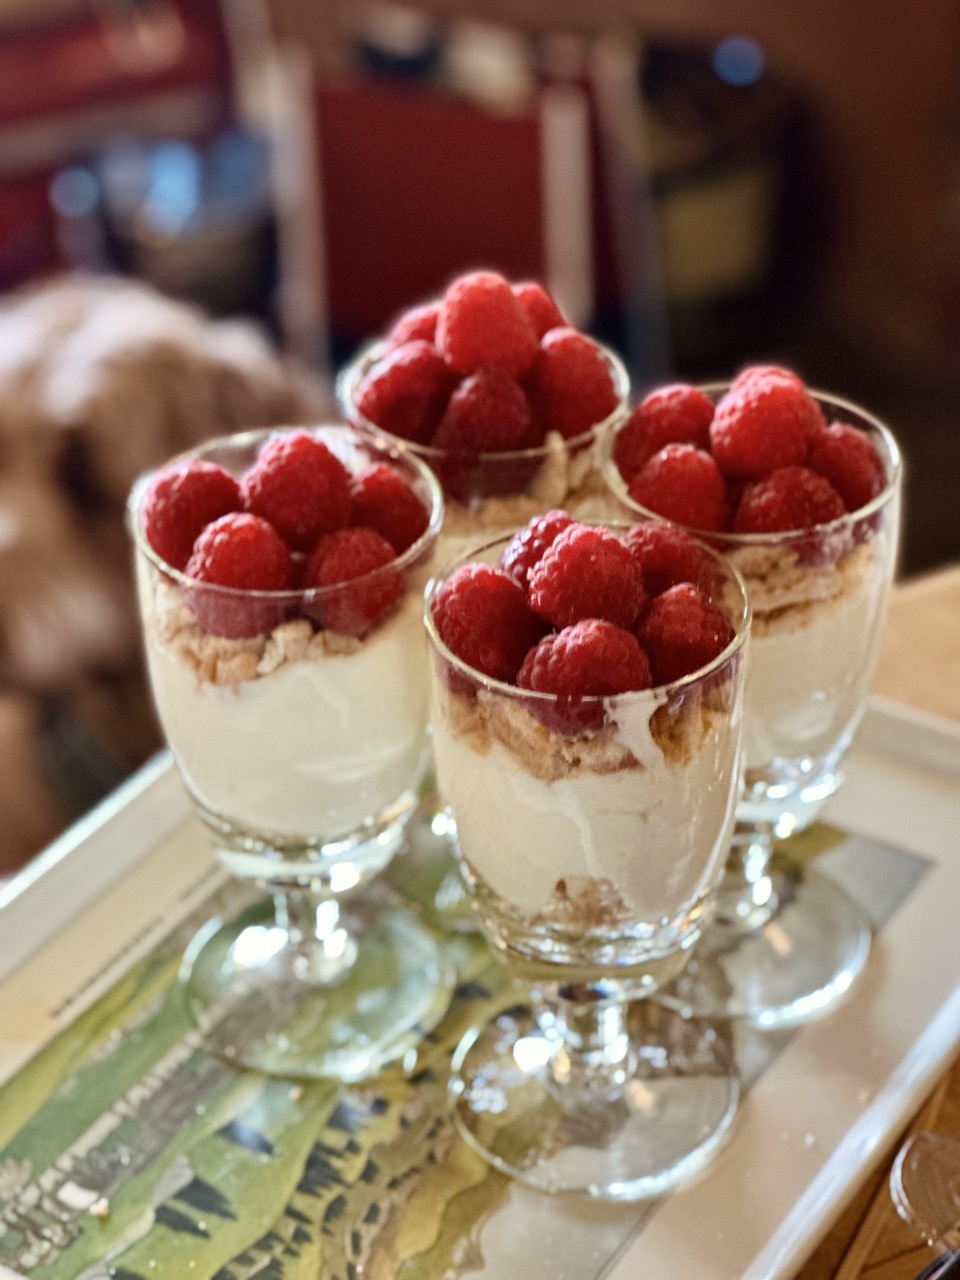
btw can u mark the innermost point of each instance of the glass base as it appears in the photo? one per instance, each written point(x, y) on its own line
point(345, 1009)
point(799, 963)
point(661, 1126)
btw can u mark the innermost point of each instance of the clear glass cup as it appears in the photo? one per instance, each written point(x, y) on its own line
point(303, 750)
point(589, 852)
point(925, 1190)
point(486, 494)
point(787, 942)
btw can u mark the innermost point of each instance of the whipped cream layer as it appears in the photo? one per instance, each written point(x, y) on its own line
point(618, 820)
point(301, 734)
point(814, 639)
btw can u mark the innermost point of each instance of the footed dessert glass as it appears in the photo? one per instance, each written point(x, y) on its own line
point(786, 942)
point(302, 748)
point(490, 493)
point(589, 852)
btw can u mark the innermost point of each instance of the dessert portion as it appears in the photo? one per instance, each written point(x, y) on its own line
point(585, 727)
point(500, 394)
point(280, 581)
point(799, 491)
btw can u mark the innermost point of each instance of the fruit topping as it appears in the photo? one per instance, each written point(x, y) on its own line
point(352, 557)
point(846, 457)
point(525, 549)
point(667, 555)
point(406, 391)
point(586, 572)
point(415, 322)
point(674, 414)
point(681, 632)
point(383, 500)
point(245, 552)
point(571, 386)
point(482, 323)
point(788, 498)
point(539, 306)
point(300, 486)
point(764, 423)
point(488, 412)
point(684, 484)
point(181, 501)
point(483, 617)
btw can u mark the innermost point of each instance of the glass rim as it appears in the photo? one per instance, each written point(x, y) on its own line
point(250, 438)
point(729, 538)
point(349, 377)
point(505, 689)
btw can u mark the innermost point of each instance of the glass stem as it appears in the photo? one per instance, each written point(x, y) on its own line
point(591, 1055)
point(746, 899)
point(319, 945)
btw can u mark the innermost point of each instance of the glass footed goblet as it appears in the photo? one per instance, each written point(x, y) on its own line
point(487, 493)
point(590, 833)
point(786, 942)
point(925, 1190)
point(298, 722)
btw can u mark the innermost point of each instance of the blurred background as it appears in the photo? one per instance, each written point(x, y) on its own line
point(207, 205)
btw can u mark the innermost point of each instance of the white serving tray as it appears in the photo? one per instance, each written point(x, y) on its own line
point(822, 1105)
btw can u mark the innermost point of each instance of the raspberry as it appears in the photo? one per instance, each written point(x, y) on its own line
point(763, 372)
point(539, 306)
point(416, 322)
point(571, 385)
point(591, 659)
point(847, 458)
point(525, 549)
point(667, 555)
point(342, 557)
point(487, 413)
point(682, 632)
point(300, 486)
point(684, 484)
point(405, 392)
point(482, 323)
point(181, 501)
point(383, 500)
point(483, 617)
point(586, 573)
point(764, 423)
point(246, 553)
point(788, 498)
point(675, 414)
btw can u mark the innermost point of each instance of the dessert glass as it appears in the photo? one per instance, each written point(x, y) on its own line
point(786, 941)
point(589, 860)
point(302, 751)
point(486, 494)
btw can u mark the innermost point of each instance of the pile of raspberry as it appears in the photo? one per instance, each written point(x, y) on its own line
point(296, 520)
point(763, 460)
point(491, 367)
point(584, 612)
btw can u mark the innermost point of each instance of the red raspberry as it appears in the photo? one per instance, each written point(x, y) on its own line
point(683, 483)
point(525, 549)
point(244, 552)
point(300, 486)
point(416, 322)
point(667, 555)
point(383, 500)
point(763, 372)
point(181, 501)
point(571, 384)
point(682, 632)
point(483, 617)
point(405, 392)
point(342, 557)
point(848, 459)
point(788, 498)
point(539, 306)
point(764, 423)
point(675, 414)
point(482, 323)
point(487, 413)
point(586, 573)
point(591, 659)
